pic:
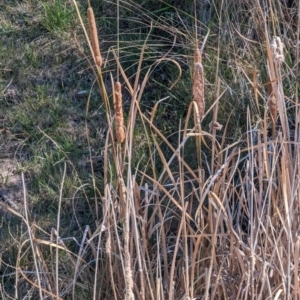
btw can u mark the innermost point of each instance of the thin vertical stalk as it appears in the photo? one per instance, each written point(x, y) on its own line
point(58, 227)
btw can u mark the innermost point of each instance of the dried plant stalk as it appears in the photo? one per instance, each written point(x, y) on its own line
point(128, 278)
point(198, 83)
point(119, 113)
point(197, 56)
point(94, 37)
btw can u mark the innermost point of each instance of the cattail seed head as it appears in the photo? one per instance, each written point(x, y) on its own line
point(272, 103)
point(198, 83)
point(94, 37)
point(119, 113)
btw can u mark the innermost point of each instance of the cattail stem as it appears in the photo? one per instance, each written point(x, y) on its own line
point(94, 37)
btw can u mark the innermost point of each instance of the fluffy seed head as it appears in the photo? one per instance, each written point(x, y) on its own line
point(277, 49)
point(198, 83)
point(215, 125)
point(94, 37)
point(119, 113)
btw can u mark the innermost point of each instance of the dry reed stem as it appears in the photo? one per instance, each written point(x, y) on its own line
point(198, 83)
point(127, 257)
point(276, 47)
point(94, 37)
point(119, 113)
point(197, 56)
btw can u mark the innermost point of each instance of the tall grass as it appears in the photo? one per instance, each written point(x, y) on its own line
point(225, 228)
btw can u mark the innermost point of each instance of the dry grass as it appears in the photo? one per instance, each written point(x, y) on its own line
point(225, 229)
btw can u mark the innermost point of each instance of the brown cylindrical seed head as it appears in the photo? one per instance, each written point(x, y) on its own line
point(273, 108)
point(198, 87)
point(119, 113)
point(94, 37)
